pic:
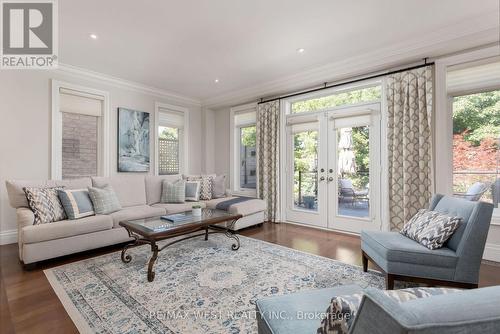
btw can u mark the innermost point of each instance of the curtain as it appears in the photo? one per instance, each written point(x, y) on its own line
point(268, 116)
point(409, 102)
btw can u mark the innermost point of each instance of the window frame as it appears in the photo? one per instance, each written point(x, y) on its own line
point(235, 141)
point(443, 119)
point(183, 135)
point(103, 165)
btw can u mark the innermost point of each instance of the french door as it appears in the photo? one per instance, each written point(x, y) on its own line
point(333, 168)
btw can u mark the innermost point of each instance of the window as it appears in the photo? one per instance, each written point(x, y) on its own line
point(474, 90)
point(476, 141)
point(243, 150)
point(79, 142)
point(338, 99)
point(248, 157)
point(170, 139)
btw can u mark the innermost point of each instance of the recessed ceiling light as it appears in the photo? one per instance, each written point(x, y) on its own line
point(216, 80)
point(301, 50)
point(93, 36)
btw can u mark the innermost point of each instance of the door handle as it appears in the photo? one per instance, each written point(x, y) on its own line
point(330, 179)
point(322, 178)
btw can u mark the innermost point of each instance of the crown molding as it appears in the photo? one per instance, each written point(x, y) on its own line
point(478, 31)
point(122, 83)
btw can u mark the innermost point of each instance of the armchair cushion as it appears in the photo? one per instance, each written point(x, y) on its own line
point(394, 247)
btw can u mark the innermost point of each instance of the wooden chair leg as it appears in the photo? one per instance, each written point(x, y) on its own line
point(389, 282)
point(365, 261)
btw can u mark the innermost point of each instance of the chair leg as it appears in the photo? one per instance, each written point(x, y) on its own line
point(389, 282)
point(365, 261)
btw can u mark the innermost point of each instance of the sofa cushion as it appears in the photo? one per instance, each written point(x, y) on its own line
point(130, 189)
point(219, 186)
point(45, 204)
point(192, 191)
point(395, 247)
point(136, 212)
point(178, 207)
point(154, 185)
point(17, 197)
point(246, 208)
point(65, 228)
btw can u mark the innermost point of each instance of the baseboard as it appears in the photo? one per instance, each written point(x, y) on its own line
point(492, 252)
point(8, 237)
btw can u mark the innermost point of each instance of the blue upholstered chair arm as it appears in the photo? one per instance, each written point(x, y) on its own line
point(468, 311)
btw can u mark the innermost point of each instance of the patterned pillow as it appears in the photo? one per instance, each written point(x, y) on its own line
point(45, 204)
point(104, 200)
point(192, 191)
point(343, 309)
point(430, 228)
point(76, 203)
point(219, 186)
point(206, 185)
point(173, 192)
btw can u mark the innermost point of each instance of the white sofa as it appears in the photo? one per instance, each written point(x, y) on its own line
point(139, 196)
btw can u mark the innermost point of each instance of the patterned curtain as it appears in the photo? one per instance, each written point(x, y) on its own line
point(409, 102)
point(268, 116)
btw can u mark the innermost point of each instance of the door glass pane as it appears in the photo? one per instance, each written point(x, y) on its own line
point(305, 167)
point(353, 154)
point(476, 142)
point(248, 158)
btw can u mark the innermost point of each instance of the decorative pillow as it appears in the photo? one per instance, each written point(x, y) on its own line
point(76, 203)
point(104, 200)
point(206, 184)
point(173, 192)
point(192, 191)
point(219, 186)
point(430, 228)
point(45, 204)
point(342, 310)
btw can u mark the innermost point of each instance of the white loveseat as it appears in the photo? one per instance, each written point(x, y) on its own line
point(139, 197)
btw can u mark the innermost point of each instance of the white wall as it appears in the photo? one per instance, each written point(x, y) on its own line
point(25, 128)
point(222, 164)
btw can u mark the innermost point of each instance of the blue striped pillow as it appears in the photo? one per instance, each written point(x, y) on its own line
point(76, 203)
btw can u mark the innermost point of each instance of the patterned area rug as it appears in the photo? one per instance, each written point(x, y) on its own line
point(200, 286)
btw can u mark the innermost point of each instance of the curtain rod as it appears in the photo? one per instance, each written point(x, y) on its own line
point(367, 77)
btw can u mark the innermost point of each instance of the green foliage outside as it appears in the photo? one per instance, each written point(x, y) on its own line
point(168, 133)
point(248, 136)
point(361, 149)
point(305, 152)
point(337, 100)
point(477, 116)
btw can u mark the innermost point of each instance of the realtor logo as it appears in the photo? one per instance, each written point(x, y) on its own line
point(29, 34)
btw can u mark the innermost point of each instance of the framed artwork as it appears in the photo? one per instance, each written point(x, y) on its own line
point(133, 141)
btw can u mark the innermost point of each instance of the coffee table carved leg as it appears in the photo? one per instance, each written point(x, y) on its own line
point(206, 234)
point(126, 258)
point(151, 273)
point(232, 235)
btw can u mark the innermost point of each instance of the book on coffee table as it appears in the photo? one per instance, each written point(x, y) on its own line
point(178, 217)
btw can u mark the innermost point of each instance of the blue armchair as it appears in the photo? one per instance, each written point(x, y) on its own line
point(456, 264)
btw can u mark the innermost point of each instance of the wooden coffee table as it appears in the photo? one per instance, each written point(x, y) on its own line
point(151, 230)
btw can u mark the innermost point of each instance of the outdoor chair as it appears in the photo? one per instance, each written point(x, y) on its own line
point(348, 193)
point(475, 192)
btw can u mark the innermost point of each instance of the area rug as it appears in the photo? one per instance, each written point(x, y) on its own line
point(200, 286)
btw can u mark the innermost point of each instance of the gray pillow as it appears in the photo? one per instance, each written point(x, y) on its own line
point(104, 200)
point(431, 228)
point(192, 191)
point(219, 186)
point(173, 192)
point(76, 203)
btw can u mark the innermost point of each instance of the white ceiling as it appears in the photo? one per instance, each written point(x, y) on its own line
point(182, 46)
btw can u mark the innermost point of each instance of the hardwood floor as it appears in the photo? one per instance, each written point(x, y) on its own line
point(29, 305)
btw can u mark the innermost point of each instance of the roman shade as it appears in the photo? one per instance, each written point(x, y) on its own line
point(472, 78)
point(76, 102)
point(170, 118)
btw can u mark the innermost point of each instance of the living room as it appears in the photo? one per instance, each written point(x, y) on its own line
point(250, 166)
